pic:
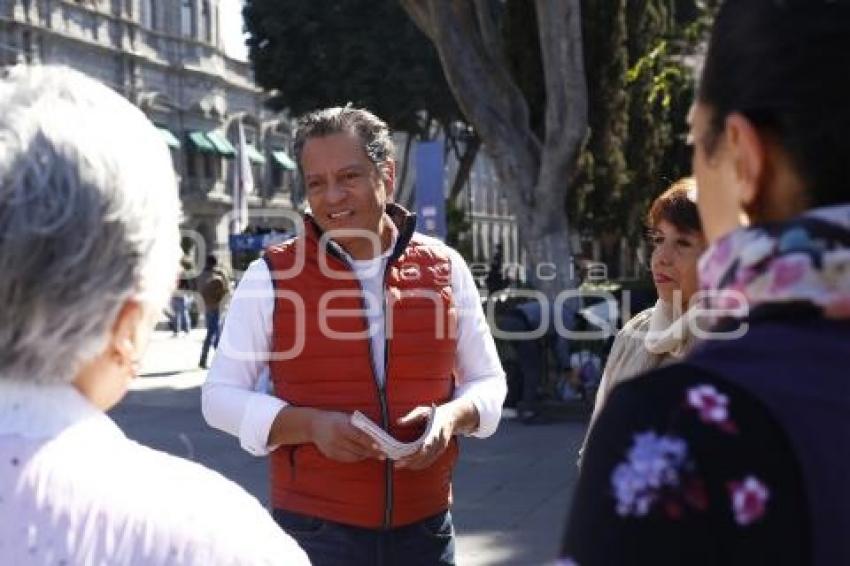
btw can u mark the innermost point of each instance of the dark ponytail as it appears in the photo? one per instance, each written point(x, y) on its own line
point(785, 65)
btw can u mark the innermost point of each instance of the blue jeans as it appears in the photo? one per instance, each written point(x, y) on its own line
point(213, 333)
point(180, 308)
point(429, 542)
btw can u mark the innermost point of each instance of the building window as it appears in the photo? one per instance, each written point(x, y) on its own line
point(191, 159)
point(187, 18)
point(149, 15)
point(206, 18)
point(210, 169)
point(250, 134)
point(26, 37)
point(217, 24)
point(277, 178)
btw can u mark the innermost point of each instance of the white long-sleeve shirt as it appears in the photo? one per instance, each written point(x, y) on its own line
point(235, 400)
point(74, 490)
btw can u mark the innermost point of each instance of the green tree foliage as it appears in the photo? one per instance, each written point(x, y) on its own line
point(604, 173)
point(323, 53)
point(641, 86)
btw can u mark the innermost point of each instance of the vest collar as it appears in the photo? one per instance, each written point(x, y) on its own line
point(402, 219)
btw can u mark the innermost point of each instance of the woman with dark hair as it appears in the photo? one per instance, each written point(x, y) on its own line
point(738, 455)
point(661, 334)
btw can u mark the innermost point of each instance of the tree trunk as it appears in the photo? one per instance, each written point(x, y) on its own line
point(405, 198)
point(465, 163)
point(537, 172)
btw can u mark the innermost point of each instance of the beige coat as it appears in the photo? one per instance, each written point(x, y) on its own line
point(652, 338)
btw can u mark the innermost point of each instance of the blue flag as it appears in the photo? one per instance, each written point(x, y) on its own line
point(430, 199)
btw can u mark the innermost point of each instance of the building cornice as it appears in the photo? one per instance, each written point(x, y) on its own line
point(247, 85)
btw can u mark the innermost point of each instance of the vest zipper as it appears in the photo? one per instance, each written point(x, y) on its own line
point(381, 390)
point(292, 463)
point(388, 510)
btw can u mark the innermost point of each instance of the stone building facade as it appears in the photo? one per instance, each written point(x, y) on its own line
point(167, 57)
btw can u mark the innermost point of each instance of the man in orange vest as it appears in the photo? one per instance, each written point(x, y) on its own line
point(357, 313)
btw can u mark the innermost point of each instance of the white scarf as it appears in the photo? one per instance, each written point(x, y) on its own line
point(669, 331)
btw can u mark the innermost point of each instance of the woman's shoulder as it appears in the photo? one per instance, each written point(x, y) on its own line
point(639, 322)
point(225, 520)
point(679, 448)
point(633, 331)
point(160, 506)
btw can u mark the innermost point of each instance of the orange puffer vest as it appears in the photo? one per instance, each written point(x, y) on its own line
point(321, 358)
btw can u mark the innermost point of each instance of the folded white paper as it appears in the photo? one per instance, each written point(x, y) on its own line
point(393, 449)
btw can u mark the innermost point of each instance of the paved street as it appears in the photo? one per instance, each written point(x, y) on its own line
point(511, 491)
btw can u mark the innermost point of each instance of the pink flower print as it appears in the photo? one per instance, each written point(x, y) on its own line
point(732, 302)
point(711, 404)
point(722, 252)
point(712, 407)
point(714, 263)
point(788, 272)
point(744, 277)
point(749, 500)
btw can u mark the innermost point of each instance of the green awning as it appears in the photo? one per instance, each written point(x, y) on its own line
point(283, 160)
point(200, 142)
point(254, 155)
point(221, 144)
point(169, 138)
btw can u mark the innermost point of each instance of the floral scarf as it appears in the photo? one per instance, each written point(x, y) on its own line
point(806, 259)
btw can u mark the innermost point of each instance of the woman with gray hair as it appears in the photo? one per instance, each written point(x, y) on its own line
point(88, 256)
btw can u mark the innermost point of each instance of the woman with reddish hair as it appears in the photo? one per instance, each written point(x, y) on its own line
point(663, 333)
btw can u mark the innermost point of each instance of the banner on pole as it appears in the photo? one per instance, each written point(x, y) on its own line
point(430, 198)
point(243, 185)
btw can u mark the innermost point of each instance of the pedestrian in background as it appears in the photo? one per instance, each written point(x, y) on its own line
point(90, 254)
point(738, 455)
point(180, 301)
point(214, 286)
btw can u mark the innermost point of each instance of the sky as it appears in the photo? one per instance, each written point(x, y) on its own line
point(231, 29)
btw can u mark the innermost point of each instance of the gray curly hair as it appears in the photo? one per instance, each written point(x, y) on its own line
point(89, 218)
point(371, 130)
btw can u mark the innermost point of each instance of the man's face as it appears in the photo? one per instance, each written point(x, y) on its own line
point(346, 191)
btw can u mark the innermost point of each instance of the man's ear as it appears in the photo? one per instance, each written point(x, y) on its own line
point(388, 176)
point(748, 150)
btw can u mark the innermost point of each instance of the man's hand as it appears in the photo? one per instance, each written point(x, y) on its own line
point(448, 419)
point(336, 438)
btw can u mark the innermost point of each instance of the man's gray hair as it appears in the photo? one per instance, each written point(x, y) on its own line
point(89, 218)
point(373, 132)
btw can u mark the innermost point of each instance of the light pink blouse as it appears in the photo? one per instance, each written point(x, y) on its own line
point(75, 490)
